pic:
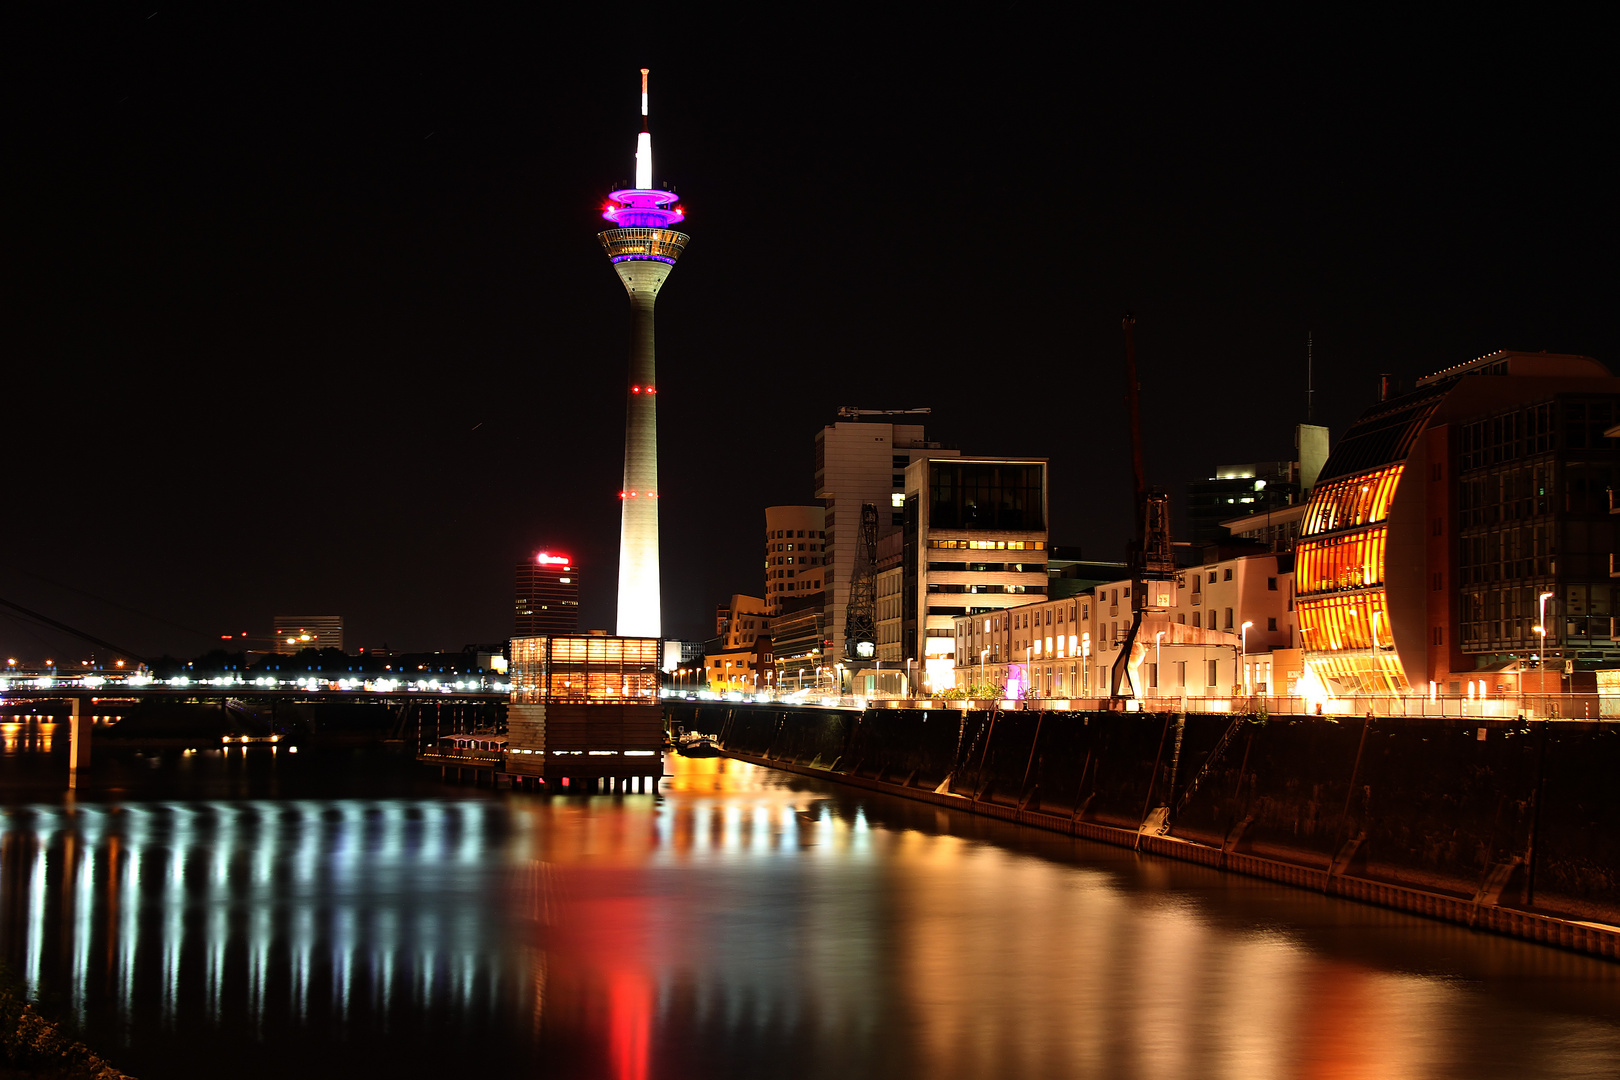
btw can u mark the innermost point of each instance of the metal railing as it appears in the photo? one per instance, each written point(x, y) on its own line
point(1498, 707)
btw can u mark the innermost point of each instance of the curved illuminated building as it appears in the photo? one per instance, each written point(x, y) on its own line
point(643, 249)
point(1445, 513)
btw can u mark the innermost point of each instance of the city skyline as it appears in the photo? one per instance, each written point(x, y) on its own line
point(310, 327)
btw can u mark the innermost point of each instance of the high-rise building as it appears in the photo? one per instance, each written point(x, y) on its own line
point(1261, 488)
point(1460, 532)
point(547, 591)
point(643, 249)
point(975, 543)
point(296, 632)
point(857, 463)
point(795, 553)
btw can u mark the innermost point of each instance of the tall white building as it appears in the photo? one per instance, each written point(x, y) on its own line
point(859, 462)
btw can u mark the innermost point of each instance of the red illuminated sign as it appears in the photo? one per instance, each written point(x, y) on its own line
point(552, 560)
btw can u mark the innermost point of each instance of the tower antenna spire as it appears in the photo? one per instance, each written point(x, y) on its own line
point(644, 173)
point(1310, 382)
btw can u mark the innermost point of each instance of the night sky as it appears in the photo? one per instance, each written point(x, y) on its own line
point(306, 313)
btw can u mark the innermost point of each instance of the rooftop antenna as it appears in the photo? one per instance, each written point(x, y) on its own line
point(1310, 388)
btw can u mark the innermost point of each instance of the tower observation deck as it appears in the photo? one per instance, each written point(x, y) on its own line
point(643, 249)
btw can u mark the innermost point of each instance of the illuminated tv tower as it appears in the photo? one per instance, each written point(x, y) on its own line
point(643, 248)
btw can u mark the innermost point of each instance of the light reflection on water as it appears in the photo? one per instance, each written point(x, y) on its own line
point(742, 923)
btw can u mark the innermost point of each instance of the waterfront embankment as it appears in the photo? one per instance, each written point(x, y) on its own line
point(32, 1046)
point(1501, 825)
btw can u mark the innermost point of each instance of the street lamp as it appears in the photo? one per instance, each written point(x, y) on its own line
point(1541, 649)
point(1085, 662)
point(1246, 657)
point(910, 695)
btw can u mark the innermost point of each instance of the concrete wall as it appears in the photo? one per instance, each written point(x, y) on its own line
point(1421, 803)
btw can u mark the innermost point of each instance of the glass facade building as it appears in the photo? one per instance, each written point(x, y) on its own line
point(1443, 516)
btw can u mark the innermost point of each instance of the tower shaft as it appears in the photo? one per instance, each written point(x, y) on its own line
point(640, 612)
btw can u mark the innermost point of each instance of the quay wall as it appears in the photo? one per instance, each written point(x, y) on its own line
point(1516, 830)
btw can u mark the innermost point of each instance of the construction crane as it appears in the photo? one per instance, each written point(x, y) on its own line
point(1153, 562)
point(850, 412)
point(860, 615)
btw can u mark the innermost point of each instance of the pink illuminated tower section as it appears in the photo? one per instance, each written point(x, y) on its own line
point(643, 249)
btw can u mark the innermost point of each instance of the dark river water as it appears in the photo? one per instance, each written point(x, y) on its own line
point(339, 914)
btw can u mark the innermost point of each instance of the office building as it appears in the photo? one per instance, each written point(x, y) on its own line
point(795, 554)
point(975, 544)
point(1237, 491)
point(860, 462)
point(1460, 531)
point(547, 589)
point(296, 632)
point(643, 249)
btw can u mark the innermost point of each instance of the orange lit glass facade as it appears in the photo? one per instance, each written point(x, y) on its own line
point(591, 667)
point(1351, 501)
point(1339, 574)
point(1336, 563)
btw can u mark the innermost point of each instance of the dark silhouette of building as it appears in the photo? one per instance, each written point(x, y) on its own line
point(547, 596)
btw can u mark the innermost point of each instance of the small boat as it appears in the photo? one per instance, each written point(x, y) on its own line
point(696, 744)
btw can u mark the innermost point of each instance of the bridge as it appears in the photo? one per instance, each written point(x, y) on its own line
point(95, 688)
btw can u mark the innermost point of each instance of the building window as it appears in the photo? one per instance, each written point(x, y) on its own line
point(1438, 580)
point(1228, 575)
point(1214, 675)
point(1212, 577)
point(1439, 635)
point(1229, 618)
point(1271, 623)
point(1195, 620)
point(1271, 584)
